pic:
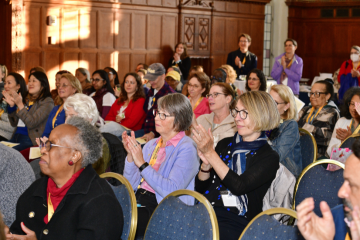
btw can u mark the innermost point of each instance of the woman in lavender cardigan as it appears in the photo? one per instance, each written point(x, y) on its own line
point(165, 164)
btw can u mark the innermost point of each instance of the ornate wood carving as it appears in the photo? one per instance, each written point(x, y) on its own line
point(197, 3)
point(189, 23)
point(204, 27)
point(17, 35)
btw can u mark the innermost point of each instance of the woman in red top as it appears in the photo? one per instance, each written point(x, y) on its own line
point(198, 87)
point(127, 112)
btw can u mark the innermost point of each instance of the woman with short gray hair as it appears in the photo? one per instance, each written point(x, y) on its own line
point(165, 164)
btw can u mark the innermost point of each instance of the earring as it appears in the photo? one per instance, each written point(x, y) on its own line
point(70, 162)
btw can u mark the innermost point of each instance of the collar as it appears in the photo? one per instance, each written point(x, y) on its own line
point(295, 58)
point(228, 120)
point(55, 191)
point(175, 140)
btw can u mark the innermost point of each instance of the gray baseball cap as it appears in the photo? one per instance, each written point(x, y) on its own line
point(154, 71)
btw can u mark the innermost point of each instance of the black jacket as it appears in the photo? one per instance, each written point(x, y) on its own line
point(261, 168)
point(88, 211)
point(184, 66)
point(250, 63)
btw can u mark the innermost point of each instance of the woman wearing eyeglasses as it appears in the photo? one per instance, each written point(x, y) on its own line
point(319, 118)
point(255, 81)
point(285, 139)
point(349, 123)
point(198, 88)
point(236, 175)
point(222, 125)
point(54, 92)
point(165, 164)
point(127, 111)
point(103, 94)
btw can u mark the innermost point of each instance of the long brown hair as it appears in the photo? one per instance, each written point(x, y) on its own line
point(204, 81)
point(184, 54)
point(139, 92)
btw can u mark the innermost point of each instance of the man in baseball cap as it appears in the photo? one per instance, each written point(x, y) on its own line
point(156, 77)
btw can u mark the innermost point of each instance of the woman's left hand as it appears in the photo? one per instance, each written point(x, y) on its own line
point(204, 140)
point(176, 57)
point(30, 235)
point(135, 149)
point(342, 134)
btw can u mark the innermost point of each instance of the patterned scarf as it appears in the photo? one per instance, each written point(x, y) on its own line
point(238, 163)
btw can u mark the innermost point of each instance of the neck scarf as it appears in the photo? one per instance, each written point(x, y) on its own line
point(98, 98)
point(239, 150)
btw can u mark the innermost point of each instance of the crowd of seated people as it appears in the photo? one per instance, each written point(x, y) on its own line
point(201, 133)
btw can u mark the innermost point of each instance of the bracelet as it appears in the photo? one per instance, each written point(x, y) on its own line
point(205, 171)
point(142, 167)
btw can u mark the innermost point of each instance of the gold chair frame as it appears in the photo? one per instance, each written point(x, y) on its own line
point(354, 135)
point(328, 161)
point(301, 130)
point(269, 212)
point(203, 200)
point(134, 214)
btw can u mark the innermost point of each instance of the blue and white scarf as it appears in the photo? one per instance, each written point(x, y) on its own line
point(239, 150)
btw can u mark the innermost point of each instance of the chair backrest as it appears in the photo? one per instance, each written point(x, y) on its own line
point(126, 197)
point(317, 182)
point(348, 142)
point(117, 152)
point(263, 226)
point(308, 147)
point(173, 219)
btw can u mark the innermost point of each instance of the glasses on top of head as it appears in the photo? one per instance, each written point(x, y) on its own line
point(162, 116)
point(96, 79)
point(242, 113)
point(48, 145)
point(277, 103)
point(214, 95)
point(216, 79)
point(316, 94)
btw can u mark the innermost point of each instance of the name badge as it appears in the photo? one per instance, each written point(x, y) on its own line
point(21, 123)
point(228, 199)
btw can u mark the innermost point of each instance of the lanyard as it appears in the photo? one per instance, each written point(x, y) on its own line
point(50, 208)
point(1, 111)
point(244, 61)
point(57, 113)
point(351, 127)
point(311, 117)
point(291, 62)
point(355, 68)
point(197, 103)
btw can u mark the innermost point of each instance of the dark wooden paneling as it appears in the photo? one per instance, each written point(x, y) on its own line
point(5, 40)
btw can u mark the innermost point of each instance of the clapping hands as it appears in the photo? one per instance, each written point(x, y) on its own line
point(133, 148)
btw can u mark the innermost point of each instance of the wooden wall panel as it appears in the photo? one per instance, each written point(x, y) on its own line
point(219, 34)
point(71, 61)
point(70, 29)
point(52, 58)
point(135, 59)
point(105, 60)
point(31, 59)
point(124, 65)
point(169, 31)
point(138, 27)
point(106, 29)
point(231, 33)
point(88, 29)
point(32, 27)
point(124, 35)
point(88, 61)
point(154, 32)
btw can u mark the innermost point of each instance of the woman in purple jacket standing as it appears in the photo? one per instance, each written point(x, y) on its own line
point(165, 164)
point(288, 67)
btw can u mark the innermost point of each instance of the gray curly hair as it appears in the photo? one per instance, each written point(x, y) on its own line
point(88, 140)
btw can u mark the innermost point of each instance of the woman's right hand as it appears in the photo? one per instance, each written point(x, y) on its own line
point(203, 159)
point(118, 119)
point(125, 142)
point(204, 140)
point(117, 92)
point(8, 99)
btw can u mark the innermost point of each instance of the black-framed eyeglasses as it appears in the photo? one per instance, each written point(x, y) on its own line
point(277, 103)
point(316, 94)
point(242, 113)
point(162, 116)
point(48, 145)
point(96, 79)
point(214, 95)
point(216, 79)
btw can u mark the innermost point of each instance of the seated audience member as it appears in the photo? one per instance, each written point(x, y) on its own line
point(16, 176)
point(84, 77)
point(319, 118)
point(145, 82)
point(349, 123)
point(173, 79)
point(3, 75)
point(198, 88)
point(221, 99)
point(218, 75)
point(285, 139)
point(342, 221)
point(182, 60)
point(159, 88)
point(165, 164)
point(256, 81)
point(182, 80)
point(113, 76)
point(37, 69)
point(103, 93)
point(196, 68)
point(288, 67)
point(85, 107)
point(231, 77)
point(72, 193)
point(54, 92)
point(242, 60)
point(349, 75)
point(141, 66)
point(241, 168)
point(127, 112)
point(29, 115)
point(14, 82)
point(68, 86)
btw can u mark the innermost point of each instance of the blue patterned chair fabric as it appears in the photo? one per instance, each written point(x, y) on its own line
point(307, 150)
point(174, 220)
point(123, 197)
point(265, 227)
point(348, 142)
point(322, 185)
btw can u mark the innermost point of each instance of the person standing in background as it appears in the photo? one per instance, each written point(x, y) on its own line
point(288, 67)
point(182, 60)
point(242, 60)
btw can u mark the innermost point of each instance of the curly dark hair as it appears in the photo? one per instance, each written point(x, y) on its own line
point(262, 78)
point(138, 94)
point(344, 108)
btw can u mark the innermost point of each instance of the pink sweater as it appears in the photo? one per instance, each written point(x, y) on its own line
point(202, 108)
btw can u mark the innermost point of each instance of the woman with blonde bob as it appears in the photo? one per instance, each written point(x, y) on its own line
point(231, 77)
point(236, 175)
point(286, 138)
